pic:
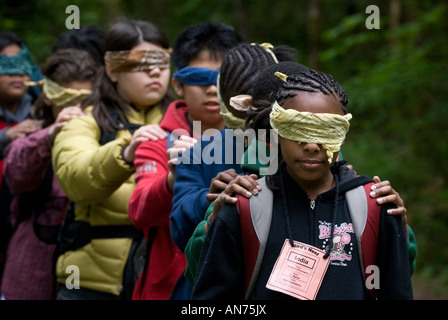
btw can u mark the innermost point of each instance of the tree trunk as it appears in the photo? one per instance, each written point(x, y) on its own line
point(395, 17)
point(314, 33)
point(242, 22)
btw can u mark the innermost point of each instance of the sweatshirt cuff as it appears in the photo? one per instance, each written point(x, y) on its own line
point(122, 156)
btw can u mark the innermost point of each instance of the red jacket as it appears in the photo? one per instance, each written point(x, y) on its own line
point(150, 205)
point(3, 125)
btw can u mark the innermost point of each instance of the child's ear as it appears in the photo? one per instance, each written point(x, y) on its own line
point(112, 75)
point(178, 87)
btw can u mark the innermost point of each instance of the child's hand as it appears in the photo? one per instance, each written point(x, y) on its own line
point(219, 183)
point(62, 119)
point(151, 132)
point(23, 128)
point(241, 184)
point(389, 195)
point(180, 145)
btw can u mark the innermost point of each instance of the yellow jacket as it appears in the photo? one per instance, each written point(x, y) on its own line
point(100, 182)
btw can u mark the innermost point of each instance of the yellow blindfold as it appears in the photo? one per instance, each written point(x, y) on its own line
point(326, 129)
point(59, 95)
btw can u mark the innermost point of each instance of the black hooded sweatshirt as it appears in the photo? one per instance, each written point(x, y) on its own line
point(221, 269)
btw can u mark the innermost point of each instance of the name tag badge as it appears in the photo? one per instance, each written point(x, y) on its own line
point(299, 271)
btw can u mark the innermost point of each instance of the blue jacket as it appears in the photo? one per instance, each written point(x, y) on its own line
point(194, 173)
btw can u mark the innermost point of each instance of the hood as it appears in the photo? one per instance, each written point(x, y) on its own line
point(176, 117)
point(348, 179)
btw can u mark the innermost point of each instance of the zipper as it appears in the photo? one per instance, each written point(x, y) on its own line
point(312, 220)
point(312, 204)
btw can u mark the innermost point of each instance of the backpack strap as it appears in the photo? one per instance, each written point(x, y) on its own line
point(148, 244)
point(255, 218)
point(365, 214)
point(107, 136)
point(75, 234)
point(35, 202)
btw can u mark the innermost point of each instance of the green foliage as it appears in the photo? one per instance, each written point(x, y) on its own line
point(400, 105)
point(396, 80)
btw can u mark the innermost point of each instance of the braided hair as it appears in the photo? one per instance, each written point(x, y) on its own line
point(242, 64)
point(264, 92)
point(302, 79)
point(312, 81)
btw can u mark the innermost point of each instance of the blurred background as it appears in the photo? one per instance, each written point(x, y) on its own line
point(396, 78)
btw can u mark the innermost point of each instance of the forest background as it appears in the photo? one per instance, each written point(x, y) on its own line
point(396, 78)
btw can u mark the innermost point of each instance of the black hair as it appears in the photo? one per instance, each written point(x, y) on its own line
point(312, 81)
point(89, 38)
point(242, 64)
point(63, 67)
point(8, 38)
point(301, 80)
point(215, 37)
point(264, 93)
point(123, 35)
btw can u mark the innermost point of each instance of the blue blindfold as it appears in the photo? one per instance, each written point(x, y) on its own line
point(19, 63)
point(196, 76)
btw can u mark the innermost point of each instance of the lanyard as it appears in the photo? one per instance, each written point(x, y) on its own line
point(286, 212)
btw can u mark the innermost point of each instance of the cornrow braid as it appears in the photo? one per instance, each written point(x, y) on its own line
point(240, 67)
point(312, 81)
point(264, 92)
